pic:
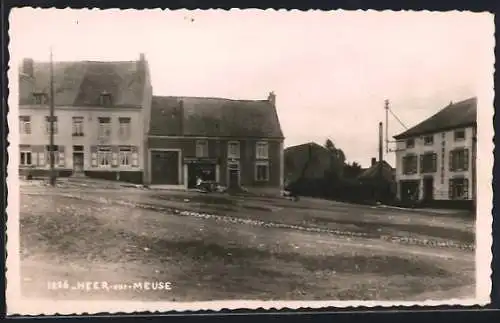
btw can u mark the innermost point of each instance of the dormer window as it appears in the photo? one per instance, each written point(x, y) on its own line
point(40, 98)
point(105, 99)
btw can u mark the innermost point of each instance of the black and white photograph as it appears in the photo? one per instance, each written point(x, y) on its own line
point(175, 160)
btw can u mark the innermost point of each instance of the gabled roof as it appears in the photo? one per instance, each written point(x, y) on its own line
point(456, 115)
point(217, 117)
point(374, 171)
point(81, 83)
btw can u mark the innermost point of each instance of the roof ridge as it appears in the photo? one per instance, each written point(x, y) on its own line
point(207, 97)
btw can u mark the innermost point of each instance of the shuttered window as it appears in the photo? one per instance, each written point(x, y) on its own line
point(428, 163)
point(459, 160)
point(62, 159)
point(458, 189)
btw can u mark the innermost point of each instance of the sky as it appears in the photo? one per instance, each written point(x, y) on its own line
point(331, 71)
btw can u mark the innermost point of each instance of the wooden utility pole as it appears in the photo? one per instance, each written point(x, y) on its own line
point(386, 126)
point(51, 124)
point(380, 160)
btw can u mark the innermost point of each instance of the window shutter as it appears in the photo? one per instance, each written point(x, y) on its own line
point(41, 158)
point(450, 161)
point(135, 159)
point(466, 188)
point(61, 156)
point(421, 163)
point(450, 189)
point(114, 159)
point(93, 153)
point(466, 159)
point(434, 162)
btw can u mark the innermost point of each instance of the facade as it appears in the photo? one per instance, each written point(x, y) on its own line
point(101, 118)
point(236, 143)
point(436, 159)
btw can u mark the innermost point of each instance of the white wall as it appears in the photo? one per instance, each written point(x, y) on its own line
point(64, 136)
point(443, 174)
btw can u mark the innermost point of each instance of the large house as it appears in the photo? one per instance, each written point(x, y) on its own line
point(436, 159)
point(101, 118)
point(236, 143)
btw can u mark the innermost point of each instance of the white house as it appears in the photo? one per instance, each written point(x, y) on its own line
point(435, 160)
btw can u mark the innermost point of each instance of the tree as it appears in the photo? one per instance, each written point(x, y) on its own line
point(352, 170)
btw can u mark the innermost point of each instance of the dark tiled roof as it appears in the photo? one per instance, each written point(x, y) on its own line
point(218, 117)
point(373, 172)
point(81, 83)
point(460, 114)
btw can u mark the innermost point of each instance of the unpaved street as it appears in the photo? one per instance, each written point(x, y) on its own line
point(214, 246)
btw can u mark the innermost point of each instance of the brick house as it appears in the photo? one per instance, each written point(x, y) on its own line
point(237, 143)
point(436, 159)
point(101, 112)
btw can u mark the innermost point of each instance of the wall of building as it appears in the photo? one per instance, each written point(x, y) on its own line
point(217, 148)
point(443, 143)
point(64, 137)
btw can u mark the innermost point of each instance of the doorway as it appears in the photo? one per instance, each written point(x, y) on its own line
point(78, 162)
point(409, 190)
point(205, 171)
point(428, 186)
point(234, 175)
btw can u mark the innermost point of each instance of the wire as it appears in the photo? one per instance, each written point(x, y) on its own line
point(396, 117)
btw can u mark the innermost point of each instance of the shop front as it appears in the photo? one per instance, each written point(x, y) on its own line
point(200, 169)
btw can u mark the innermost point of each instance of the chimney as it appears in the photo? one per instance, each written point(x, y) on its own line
point(141, 63)
point(27, 67)
point(180, 115)
point(374, 161)
point(272, 98)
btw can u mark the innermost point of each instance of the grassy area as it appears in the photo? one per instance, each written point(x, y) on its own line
point(75, 239)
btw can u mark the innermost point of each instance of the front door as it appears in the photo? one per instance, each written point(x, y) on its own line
point(165, 167)
point(234, 175)
point(77, 162)
point(428, 188)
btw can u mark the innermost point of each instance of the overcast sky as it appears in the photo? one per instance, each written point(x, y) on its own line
point(331, 71)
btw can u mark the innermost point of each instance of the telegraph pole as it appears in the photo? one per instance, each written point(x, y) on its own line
point(51, 124)
point(386, 126)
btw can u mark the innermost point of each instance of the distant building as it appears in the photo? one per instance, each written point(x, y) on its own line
point(436, 159)
point(237, 143)
point(101, 118)
point(379, 181)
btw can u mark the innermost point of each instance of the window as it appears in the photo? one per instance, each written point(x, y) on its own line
point(262, 171)
point(124, 130)
point(25, 125)
point(105, 99)
point(410, 143)
point(57, 155)
point(410, 164)
point(125, 156)
point(233, 150)
point(459, 160)
point(262, 150)
point(25, 158)
point(77, 126)
point(459, 189)
point(104, 157)
point(429, 140)
point(201, 148)
point(47, 125)
point(428, 163)
point(104, 128)
point(40, 98)
point(459, 135)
